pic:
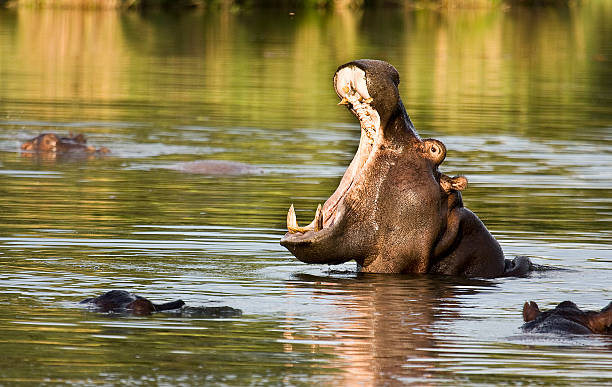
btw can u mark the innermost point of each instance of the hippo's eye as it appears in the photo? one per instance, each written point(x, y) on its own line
point(434, 150)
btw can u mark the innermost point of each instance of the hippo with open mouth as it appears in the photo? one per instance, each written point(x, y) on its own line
point(394, 211)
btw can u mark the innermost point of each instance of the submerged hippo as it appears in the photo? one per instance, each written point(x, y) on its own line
point(567, 318)
point(393, 211)
point(124, 302)
point(51, 142)
point(120, 301)
point(216, 168)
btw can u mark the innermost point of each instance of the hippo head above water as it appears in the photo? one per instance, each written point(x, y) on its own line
point(567, 318)
point(51, 142)
point(393, 211)
point(126, 303)
point(122, 301)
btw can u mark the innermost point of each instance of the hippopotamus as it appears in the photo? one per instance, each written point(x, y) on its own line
point(393, 210)
point(216, 168)
point(51, 142)
point(121, 301)
point(567, 318)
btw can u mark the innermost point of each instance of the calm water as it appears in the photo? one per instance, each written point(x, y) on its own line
point(521, 98)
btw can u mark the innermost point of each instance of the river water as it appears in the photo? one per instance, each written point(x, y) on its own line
point(522, 98)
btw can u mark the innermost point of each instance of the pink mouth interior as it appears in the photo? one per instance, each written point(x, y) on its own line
point(350, 177)
point(350, 85)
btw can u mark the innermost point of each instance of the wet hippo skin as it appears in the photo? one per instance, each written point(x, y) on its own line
point(121, 301)
point(567, 318)
point(394, 211)
point(51, 142)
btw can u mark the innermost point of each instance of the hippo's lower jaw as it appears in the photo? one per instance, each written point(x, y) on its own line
point(314, 242)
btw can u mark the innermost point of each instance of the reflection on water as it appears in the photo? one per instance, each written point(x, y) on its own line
point(521, 98)
point(388, 319)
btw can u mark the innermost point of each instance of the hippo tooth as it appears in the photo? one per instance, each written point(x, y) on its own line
point(293, 226)
point(359, 82)
point(292, 223)
point(344, 101)
point(318, 220)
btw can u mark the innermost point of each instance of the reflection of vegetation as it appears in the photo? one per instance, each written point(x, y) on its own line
point(295, 4)
point(458, 69)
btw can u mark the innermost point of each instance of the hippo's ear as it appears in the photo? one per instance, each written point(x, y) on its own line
point(530, 311)
point(601, 322)
point(457, 183)
point(434, 150)
point(79, 138)
point(460, 183)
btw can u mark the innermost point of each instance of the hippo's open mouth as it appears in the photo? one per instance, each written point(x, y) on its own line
point(350, 85)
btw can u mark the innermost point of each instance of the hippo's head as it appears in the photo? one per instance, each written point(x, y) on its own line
point(567, 318)
point(122, 301)
point(46, 142)
point(51, 142)
point(393, 211)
